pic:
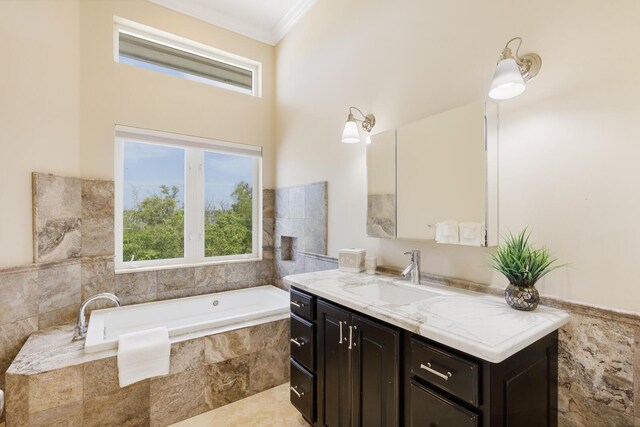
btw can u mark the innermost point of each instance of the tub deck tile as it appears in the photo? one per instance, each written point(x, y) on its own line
point(227, 381)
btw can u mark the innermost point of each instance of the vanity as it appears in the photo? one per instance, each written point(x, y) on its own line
point(374, 350)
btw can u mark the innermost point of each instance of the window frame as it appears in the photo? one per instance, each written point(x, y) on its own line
point(171, 40)
point(194, 197)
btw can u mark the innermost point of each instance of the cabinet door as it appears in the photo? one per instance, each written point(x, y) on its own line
point(375, 373)
point(334, 400)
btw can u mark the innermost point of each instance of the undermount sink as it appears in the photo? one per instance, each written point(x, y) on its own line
point(393, 294)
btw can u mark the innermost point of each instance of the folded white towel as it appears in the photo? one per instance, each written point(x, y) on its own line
point(471, 233)
point(447, 231)
point(143, 355)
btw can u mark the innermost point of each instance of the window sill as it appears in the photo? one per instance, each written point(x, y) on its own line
point(121, 270)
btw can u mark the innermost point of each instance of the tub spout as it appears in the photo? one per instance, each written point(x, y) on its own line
point(81, 327)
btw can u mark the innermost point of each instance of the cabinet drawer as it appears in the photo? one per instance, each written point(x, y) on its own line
point(301, 392)
point(302, 340)
point(446, 371)
point(301, 304)
point(430, 409)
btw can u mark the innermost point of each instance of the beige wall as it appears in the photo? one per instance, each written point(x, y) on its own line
point(61, 94)
point(39, 110)
point(569, 146)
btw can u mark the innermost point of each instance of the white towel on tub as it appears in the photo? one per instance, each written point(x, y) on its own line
point(142, 355)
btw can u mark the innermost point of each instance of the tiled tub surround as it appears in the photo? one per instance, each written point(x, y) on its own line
point(73, 259)
point(53, 382)
point(300, 227)
point(598, 360)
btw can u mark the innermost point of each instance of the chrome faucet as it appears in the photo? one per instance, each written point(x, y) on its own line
point(81, 327)
point(413, 268)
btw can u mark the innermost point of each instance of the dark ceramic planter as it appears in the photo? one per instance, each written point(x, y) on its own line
point(522, 298)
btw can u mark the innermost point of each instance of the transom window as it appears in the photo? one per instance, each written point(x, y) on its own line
point(152, 49)
point(185, 200)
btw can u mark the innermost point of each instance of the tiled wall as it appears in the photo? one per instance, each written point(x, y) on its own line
point(206, 373)
point(300, 237)
point(73, 259)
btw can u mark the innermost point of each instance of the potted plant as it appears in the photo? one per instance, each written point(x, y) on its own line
point(523, 265)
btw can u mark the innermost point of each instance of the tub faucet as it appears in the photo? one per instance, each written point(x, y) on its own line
point(81, 327)
point(413, 268)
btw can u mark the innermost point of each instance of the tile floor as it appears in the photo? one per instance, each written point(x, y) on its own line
point(271, 408)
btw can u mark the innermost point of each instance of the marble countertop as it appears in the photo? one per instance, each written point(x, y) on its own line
point(481, 325)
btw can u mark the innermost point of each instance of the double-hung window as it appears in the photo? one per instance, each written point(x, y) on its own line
point(182, 200)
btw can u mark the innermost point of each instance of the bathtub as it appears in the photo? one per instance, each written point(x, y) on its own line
point(186, 315)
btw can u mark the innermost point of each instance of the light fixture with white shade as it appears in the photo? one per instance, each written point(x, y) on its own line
point(513, 72)
point(350, 134)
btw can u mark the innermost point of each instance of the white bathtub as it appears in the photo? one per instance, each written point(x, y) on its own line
point(185, 315)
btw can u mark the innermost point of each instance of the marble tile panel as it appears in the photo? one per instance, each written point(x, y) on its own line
point(315, 236)
point(19, 291)
point(265, 271)
point(57, 214)
point(268, 229)
point(56, 197)
point(240, 285)
point(270, 335)
point(227, 381)
point(138, 299)
point(12, 338)
point(267, 252)
point(282, 203)
point(17, 395)
point(268, 368)
point(187, 355)
point(55, 388)
point(312, 263)
point(595, 371)
point(210, 276)
point(227, 345)
point(59, 286)
point(100, 377)
point(176, 397)
point(128, 406)
point(176, 279)
point(97, 199)
point(177, 293)
point(296, 202)
point(97, 276)
point(636, 375)
point(142, 283)
point(60, 316)
point(61, 416)
point(97, 237)
point(268, 203)
point(316, 201)
point(241, 272)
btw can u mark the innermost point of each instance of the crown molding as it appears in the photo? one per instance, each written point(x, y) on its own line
point(271, 37)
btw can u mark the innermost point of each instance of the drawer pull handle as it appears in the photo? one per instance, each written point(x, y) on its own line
point(296, 342)
point(297, 304)
point(428, 368)
point(351, 343)
point(340, 333)
point(298, 393)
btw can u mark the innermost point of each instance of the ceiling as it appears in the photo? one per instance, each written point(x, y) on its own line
point(266, 21)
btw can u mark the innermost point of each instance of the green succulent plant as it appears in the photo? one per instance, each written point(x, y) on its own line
point(520, 262)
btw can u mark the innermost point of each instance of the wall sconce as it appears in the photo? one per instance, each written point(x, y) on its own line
point(350, 134)
point(513, 72)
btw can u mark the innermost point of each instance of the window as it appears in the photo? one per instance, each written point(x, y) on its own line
point(185, 200)
point(152, 49)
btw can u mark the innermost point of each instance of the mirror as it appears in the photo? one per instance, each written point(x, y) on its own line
point(381, 185)
point(445, 182)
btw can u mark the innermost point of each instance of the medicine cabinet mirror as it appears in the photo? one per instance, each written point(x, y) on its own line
point(437, 178)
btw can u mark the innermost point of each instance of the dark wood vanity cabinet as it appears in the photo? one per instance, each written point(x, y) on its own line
point(359, 371)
